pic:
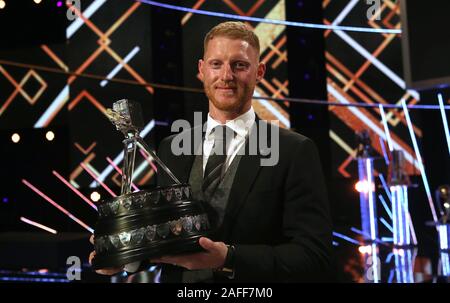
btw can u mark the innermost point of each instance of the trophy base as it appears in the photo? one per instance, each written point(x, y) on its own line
point(148, 224)
point(186, 245)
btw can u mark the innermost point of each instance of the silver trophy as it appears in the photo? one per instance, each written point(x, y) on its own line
point(149, 223)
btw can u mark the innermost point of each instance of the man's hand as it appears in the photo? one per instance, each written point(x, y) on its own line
point(213, 258)
point(104, 271)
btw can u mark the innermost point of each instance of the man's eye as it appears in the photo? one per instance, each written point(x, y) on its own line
point(241, 65)
point(215, 64)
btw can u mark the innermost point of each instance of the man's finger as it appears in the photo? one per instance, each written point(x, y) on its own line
point(104, 271)
point(207, 243)
point(169, 260)
point(156, 260)
point(108, 271)
point(91, 239)
point(91, 256)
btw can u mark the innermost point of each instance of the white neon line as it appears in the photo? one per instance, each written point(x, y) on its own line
point(263, 20)
point(404, 265)
point(375, 263)
point(406, 212)
point(369, 123)
point(413, 258)
point(383, 149)
point(62, 97)
point(394, 216)
point(59, 207)
point(385, 223)
point(147, 128)
point(444, 121)
point(419, 160)
point(139, 170)
point(360, 232)
point(119, 66)
point(344, 237)
point(373, 234)
point(399, 198)
point(411, 227)
point(102, 176)
point(341, 143)
point(345, 12)
point(409, 263)
point(385, 206)
point(443, 236)
point(94, 175)
point(75, 184)
point(386, 189)
point(88, 165)
point(88, 12)
point(107, 170)
point(386, 128)
point(389, 256)
point(377, 63)
point(445, 264)
point(273, 110)
point(39, 225)
point(397, 267)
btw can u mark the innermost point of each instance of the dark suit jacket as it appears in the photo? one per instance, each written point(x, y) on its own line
point(277, 216)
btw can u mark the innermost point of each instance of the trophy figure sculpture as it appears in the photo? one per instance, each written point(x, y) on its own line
point(148, 223)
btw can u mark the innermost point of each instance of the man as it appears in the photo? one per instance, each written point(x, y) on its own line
point(272, 222)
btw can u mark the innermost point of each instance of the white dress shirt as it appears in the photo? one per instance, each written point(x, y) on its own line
point(240, 125)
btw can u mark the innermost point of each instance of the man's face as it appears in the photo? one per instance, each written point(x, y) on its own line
point(229, 72)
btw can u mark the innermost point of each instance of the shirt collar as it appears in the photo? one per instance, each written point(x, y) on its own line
point(240, 125)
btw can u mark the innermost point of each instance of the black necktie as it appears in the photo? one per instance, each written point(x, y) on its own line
point(216, 160)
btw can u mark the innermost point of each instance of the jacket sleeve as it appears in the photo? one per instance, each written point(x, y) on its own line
point(307, 253)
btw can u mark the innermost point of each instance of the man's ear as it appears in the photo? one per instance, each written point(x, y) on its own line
point(200, 69)
point(260, 71)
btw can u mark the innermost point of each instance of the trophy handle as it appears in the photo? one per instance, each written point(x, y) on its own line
point(126, 116)
point(156, 158)
point(129, 152)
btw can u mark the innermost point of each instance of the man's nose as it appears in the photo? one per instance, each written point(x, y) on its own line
point(227, 73)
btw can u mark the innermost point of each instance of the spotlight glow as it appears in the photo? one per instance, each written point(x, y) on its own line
point(15, 137)
point(365, 249)
point(95, 196)
point(2, 4)
point(364, 186)
point(37, 1)
point(50, 135)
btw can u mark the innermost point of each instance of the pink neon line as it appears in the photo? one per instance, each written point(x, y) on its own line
point(146, 157)
point(96, 179)
point(62, 209)
point(74, 189)
point(39, 225)
point(120, 171)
